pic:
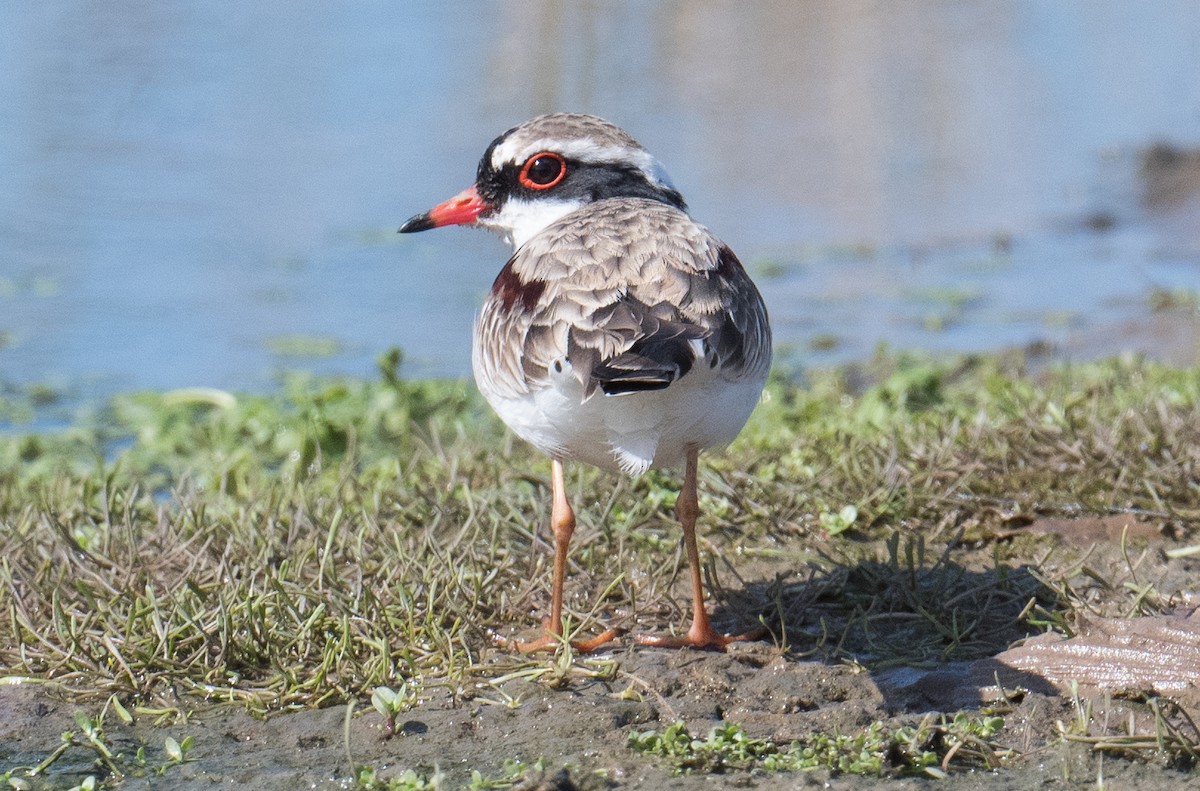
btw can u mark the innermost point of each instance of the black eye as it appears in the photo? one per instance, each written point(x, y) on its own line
point(543, 171)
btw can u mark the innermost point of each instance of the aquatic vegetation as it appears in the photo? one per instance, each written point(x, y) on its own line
point(928, 747)
point(312, 545)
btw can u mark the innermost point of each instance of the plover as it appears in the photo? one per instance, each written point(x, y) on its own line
point(620, 333)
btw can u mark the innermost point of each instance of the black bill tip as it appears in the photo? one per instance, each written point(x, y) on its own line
point(421, 222)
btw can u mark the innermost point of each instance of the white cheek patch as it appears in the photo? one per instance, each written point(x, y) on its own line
point(518, 220)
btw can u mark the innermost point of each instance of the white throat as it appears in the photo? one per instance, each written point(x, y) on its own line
point(518, 220)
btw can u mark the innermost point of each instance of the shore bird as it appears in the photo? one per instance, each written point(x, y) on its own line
point(621, 333)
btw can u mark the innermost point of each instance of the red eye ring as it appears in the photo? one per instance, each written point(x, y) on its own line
point(543, 171)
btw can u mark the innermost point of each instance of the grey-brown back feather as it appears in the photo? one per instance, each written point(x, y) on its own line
point(620, 291)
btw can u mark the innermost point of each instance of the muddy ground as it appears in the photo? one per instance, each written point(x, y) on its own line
point(578, 724)
point(583, 729)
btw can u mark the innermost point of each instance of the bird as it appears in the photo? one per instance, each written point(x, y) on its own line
point(621, 333)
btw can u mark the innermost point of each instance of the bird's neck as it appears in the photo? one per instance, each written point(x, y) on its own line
point(518, 220)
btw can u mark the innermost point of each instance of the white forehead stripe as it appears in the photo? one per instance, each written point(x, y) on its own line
point(517, 151)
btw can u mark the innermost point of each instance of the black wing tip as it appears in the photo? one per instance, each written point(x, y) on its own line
point(625, 386)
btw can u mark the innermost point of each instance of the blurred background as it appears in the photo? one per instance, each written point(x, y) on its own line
point(206, 193)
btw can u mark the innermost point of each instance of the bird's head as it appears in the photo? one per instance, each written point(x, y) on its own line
point(546, 168)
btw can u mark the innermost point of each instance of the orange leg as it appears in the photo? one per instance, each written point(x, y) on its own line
point(562, 524)
point(701, 634)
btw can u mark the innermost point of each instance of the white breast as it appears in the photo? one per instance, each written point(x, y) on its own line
point(636, 431)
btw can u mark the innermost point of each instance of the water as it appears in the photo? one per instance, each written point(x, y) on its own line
point(205, 193)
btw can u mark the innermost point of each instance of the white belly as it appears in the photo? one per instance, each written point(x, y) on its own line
point(635, 431)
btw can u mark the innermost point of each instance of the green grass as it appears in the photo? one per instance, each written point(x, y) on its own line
point(875, 750)
point(308, 546)
point(108, 762)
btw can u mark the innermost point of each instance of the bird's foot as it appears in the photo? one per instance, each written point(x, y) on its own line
point(552, 641)
point(703, 639)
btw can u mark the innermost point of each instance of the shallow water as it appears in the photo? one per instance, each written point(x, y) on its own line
point(207, 193)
